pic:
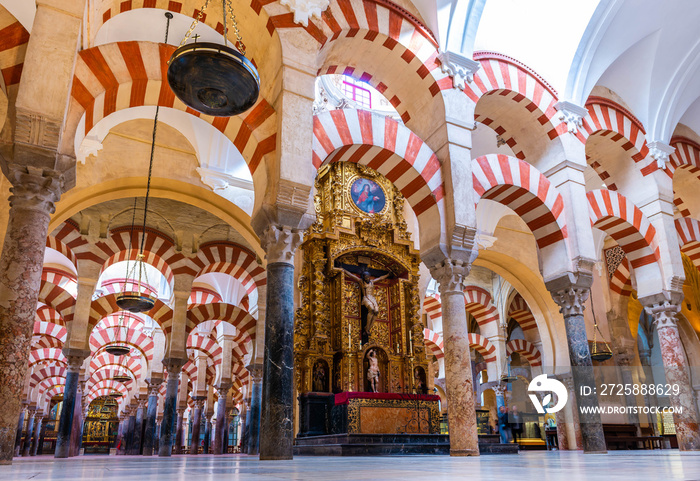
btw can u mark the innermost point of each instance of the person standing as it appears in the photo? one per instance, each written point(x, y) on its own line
point(516, 422)
point(503, 426)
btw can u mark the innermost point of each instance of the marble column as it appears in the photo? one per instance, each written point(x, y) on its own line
point(575, 443)
point(207, 433)
point(130, 429)
point(37, 433)
point(624, 362)
point(30, 432)
point(571, 298)
point(20, 428)
point(167, 434)
point(156, 438)
point(121, 438)
point(500, 391)
point(76, 435)
point(138, 428)
point(70, 393)
point(149, 434)
point(220, 430)
point(276, 425)
point(196, 425)
point(179, 443)
point(461, 411)
point(256, 372)
point(34, 192)
point(676, 370)
point(245, 429)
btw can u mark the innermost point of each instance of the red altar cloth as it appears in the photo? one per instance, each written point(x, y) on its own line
point(344, 397)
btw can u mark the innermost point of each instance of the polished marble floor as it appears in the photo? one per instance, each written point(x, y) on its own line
point(540, 466)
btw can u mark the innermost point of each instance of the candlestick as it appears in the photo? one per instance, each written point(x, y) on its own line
point(349, 338)
point(410, 344)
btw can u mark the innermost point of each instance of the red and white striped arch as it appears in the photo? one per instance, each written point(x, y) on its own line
point(46, 372)
point(105, 384)
point(232, 259)
point(508, 78)
point(49, 383)
point(101, 338)
point(239, 349)
point(92, 395)
point(55, 391)
point(116, 285)
point(55, 244)
point(388, 147)
point(620, 281)
point(501, 131)
point(104, 360)
point(190, 369)
point(433, 307)
point(106, 373)
point(206, 345)
point(132, 321)
point(520, 311)
point(49, 314)
point(61, 278)
point(43, 341)
point(46, 354)
point(521, 187)
point(237, 317)
point(689, 238)
point(478, 304)
point(201, 295)
point(13, 48)
point(611, 120)
point(433, 341)
point(483, 346)
point(122, 75)
point(107, 305)
point(55, 333)
point(58, 299)
point(526, 349)
point(685, 157)
point(614, 214)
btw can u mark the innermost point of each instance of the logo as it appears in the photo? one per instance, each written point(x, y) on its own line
point(540, 384)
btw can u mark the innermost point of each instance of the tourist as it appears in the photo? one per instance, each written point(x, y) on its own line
point(503, 426)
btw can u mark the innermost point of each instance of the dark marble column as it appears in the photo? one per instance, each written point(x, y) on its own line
point(138, 428)
point(70, 393)
point(571, 298)
point(461, 408)
point(685, 417)
point(196, 425)
point(207, 433)
point(20, 428)
point(167, 432)
point(245, 428)
point(34, 192)
point(120, 434)
point(130, 429)
point(76, 434)
point(30, 432)
point(37, 433)
point(156, 439)
point(277, 413)
point(179, 432)
point(256, 372)
point(150, 431)
point(220, 430)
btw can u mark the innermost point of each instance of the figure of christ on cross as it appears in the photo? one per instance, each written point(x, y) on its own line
point(368, 299)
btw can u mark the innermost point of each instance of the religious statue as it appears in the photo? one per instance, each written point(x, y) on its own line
point(319, 377)
point(418, 382)
point(368, 299)
point(373, 370)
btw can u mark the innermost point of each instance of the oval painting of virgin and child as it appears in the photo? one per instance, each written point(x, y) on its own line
point(367, 196)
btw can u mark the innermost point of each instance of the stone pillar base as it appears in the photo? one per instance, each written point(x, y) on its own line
point(464, 452)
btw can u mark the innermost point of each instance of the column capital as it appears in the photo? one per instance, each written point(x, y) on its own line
point(571, 299)
point(223, 388)
point(660, 152)
point(450, 274)
point(500, 389)
point(35, 188)
point(280, 243)
point(75, 358)
point(256, 372)
point(173, 365)
point(154, 385)
point(199, 402)
point(458, 67)
point(571, 114)
point(664, 314)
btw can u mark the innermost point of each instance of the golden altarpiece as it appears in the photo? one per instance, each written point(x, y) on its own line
point(360, 229)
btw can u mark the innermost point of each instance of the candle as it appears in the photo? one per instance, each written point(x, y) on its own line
point(410, 344)
point(349, 338)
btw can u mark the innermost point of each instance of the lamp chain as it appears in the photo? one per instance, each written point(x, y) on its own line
point(194, 24)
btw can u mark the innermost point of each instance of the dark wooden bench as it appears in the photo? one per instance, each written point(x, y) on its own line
point(624, 436)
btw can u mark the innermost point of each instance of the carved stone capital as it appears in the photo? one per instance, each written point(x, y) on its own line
point(450, 274)
point(624, 358)
point(256, 372)
point(222, 389)
point(75, 358)
point(571, 300)
point(34, 188)
point(173, 365)
point(664, 314)
point(500, 389)
point(458, 67)
point(660, 152)
point(571, 114)
point(199, 402)
point(280, 243)
point(154, 385)
point(305, 9)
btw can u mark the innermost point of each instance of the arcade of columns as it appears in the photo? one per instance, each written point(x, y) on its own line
point(547, 191)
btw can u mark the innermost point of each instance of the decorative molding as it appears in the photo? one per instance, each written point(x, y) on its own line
point(571, 300)
point(256, 372)
point(218, 180)
point(460, 68)
point(36, 130)
point(293, 195)
point(305, 9)
point(35, 188)
point(90, 145)
point(450, 274)
point(664, 314)
point(571, 114)
point(485, 241)
point(661, 152)
point(280, 243)
point(463, 237)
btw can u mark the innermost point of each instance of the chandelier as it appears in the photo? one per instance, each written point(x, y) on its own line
point(119, 347)
point(211, 78)
point(599, 354)
point(122, 374)
point(115, 394)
